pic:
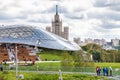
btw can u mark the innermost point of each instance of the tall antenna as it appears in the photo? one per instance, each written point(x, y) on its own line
point(56, 9)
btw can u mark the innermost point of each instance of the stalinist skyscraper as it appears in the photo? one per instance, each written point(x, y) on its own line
point(57, 26)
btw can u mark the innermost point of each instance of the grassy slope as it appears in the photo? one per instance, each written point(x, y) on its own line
point(113, 65)
point(51, 55)
point(56, 55)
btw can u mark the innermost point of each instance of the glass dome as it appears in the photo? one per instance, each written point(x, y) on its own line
point(24, 34)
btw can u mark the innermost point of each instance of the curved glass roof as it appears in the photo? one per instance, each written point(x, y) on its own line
point(24, 34)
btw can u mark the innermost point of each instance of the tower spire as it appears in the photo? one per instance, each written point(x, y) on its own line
point(56, 9)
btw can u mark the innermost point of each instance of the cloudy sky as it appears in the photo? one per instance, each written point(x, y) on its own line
point(85, 18)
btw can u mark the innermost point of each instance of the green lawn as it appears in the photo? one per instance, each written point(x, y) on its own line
point(58, 64)
point(39, 76)
point(55, 66)
point(113, 65)
point(50, 57)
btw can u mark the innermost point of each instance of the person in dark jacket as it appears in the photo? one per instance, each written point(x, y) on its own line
point(99, 70)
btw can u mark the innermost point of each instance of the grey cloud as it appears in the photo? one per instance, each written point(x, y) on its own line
point(71, 16)
point(79, 9)
point(61, 9)
point(38, 21)
point(105, 15)
point(106, 3)
point(5, 16)
point(106, 26)
point(115, 8)
point(100, 29)
point(56, 0)
point(109, 25)
point(100, 3)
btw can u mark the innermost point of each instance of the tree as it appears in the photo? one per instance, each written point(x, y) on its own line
point(78, 59)
point(93, 49)
point(67, 60)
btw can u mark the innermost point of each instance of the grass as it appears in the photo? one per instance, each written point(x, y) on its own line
point(50, 57)
point(58, 64)
point(39, 76)
point(55, 66)
point(113, 65)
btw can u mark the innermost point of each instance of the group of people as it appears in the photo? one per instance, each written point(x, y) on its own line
point(106, 71)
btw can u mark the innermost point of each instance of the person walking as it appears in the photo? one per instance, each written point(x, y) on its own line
point(110, 71)
point(97, 70)
point(107, 71)
point(1, 67)
point(104, 71)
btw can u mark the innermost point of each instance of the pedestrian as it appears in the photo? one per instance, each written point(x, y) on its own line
point(110, 71)
point(1, 67)
point(107, 71)
point(97, 70)
point(33, 62)
point(103, 71)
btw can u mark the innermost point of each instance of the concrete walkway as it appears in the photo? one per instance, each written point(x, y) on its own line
point(115, 77)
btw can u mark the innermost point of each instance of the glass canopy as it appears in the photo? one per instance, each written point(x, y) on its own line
point(24, 34)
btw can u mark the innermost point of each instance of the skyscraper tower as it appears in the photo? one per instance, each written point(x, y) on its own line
point(57, 26)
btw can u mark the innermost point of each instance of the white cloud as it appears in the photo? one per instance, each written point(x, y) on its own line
point(85, 18)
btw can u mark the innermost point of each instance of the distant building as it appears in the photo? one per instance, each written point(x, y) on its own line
point(108, 46)
point(77, 40)
point(87, 57)
point(115, 42)
point(57, 27)
point(88, 40)
point(48, 29)
point(101, 42)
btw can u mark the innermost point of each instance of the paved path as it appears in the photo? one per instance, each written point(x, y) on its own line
point(115, 77)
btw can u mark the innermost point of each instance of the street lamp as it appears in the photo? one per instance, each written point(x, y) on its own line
point(36, 45)
point(21, 76)
point(60, 73)
point(16, 61)
point(36, 48)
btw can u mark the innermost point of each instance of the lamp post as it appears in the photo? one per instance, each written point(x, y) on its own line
point(37, 43)
point(16, 62)
point(60, 73)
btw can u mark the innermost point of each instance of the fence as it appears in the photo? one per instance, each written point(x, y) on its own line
point(116, 71)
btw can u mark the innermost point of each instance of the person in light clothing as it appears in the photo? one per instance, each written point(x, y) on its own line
point(110, 71)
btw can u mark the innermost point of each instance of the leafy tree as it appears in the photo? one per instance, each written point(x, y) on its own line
point(67, 60)
point(95, 50)
point(78, 59)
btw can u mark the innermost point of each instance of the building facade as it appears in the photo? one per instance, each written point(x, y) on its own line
point(57, 27)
